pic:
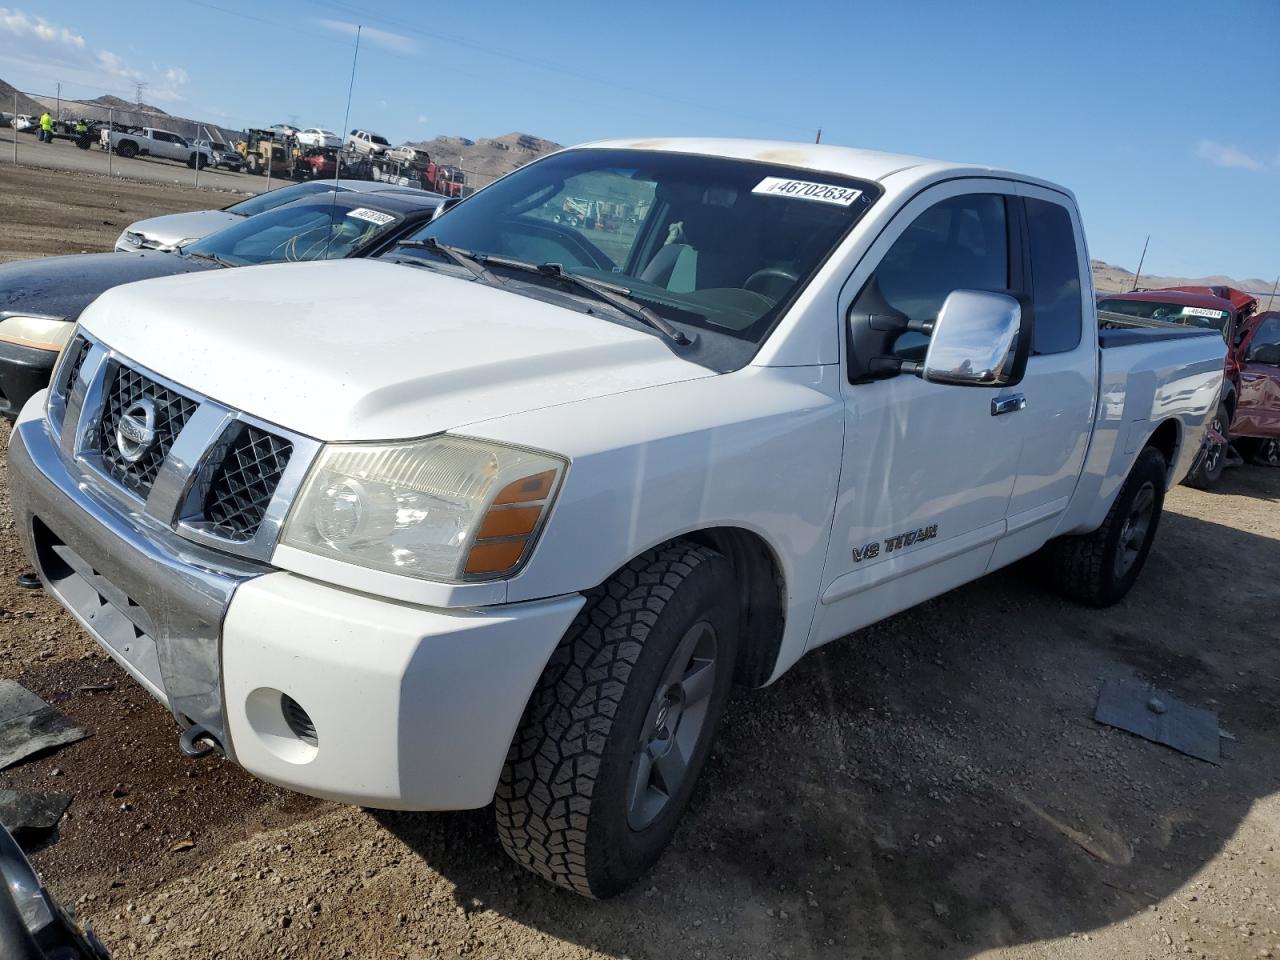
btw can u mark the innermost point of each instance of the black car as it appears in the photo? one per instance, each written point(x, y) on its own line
point(40, 300)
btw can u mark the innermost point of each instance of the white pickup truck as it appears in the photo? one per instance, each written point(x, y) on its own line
point(501, 517)
point(152, 142)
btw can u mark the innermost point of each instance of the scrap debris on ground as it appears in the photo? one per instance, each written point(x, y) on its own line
point(28, 725)
point(1128, 703)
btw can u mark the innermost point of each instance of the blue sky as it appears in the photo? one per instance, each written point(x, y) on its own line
point(1162, 115)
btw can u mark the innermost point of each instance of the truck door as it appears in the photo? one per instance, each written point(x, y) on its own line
point(1258, 412)
point(927, 469)
point(1060, 386)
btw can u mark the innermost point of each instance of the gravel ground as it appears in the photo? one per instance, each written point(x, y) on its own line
point(931, 787)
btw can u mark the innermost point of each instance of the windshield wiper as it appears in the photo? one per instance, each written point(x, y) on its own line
point(616, 296)
point(197, 255)
point(460, 257)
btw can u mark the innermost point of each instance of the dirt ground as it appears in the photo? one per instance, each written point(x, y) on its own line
point(933, 787)
point(49, 212)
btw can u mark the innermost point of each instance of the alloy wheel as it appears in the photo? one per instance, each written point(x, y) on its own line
point(673, 726)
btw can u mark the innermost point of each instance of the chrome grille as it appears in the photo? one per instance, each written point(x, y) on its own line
point(79, 351)
point(215, 476)
point(243, 481)
point(126, 387)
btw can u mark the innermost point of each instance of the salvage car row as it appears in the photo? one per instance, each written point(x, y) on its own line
point(495, 507)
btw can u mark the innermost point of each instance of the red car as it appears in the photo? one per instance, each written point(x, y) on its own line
point(1242, 416)
point(1256, 425)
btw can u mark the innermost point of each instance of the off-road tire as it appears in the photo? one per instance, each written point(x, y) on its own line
point(1084, 567)
point(1210, 469)
point(562, 801)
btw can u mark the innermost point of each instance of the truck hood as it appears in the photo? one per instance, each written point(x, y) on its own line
point(64, 286)
point(372, 350)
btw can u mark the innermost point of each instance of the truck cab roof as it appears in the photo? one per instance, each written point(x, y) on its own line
point(873, 165)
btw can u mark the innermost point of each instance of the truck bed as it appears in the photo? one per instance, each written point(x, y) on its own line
point(1148, 375)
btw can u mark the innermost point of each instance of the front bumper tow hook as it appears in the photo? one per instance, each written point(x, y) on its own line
point(196, 741)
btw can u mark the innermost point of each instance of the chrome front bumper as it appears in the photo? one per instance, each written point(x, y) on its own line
point(153, 600)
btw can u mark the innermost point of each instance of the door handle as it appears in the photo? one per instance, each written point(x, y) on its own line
point(1010, 404)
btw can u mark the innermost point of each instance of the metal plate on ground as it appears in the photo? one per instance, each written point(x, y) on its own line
point(30, 815)
point(29, 725)
point(1138, 707)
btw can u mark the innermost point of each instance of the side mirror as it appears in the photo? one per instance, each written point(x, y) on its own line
point(980, 339)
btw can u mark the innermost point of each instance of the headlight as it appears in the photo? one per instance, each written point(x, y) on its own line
point(42, 333)
point(444, 508)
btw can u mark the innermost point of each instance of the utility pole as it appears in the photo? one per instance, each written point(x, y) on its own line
point(14, 128)
point(111, 126)
point(138, 87)
point(1141, 260)
point(1274, 287)
point(818, 138)
point(58, 112)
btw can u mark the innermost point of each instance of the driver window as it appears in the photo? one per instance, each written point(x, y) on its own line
point(1265, 347)
point(957, 244)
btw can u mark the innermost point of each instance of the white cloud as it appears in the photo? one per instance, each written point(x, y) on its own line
point(382, 38)
point(116, 66)
point(1226, 155)
point(56, 53)
point(423, 118)
point(20, 24)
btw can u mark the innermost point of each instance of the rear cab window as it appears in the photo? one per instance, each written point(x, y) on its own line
point(1055, 277)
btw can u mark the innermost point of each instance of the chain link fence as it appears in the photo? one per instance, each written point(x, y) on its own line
point(87, 124)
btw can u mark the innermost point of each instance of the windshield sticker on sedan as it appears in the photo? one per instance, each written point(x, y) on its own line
point(1203, 312)
point(805, 190)
point(373, 216)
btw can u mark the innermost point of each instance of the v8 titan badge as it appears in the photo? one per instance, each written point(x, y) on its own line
point(807, 190)
point(900, 541)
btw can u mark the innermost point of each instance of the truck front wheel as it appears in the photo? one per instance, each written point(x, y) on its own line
point(621, 722)
point(1099, 568)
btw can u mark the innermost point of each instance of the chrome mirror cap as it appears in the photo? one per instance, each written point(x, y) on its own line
point(977, 341)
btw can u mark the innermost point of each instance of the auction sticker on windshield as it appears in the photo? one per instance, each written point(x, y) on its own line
point(806, 190)
point(373, 216)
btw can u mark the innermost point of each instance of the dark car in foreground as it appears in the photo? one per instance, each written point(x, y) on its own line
point(33, 925)
point(41, 299)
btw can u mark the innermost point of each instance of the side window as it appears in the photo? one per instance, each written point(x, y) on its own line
point(1055, 277)
point(1265, 346)
point(961, 243)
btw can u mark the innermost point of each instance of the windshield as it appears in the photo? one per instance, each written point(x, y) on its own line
point(278, 198)
point(709, 243)
point(317, 230)
point(1207, 317)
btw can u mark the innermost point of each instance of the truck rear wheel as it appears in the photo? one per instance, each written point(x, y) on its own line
point(1099, 568)
point(1211, 466)
point(621, 722)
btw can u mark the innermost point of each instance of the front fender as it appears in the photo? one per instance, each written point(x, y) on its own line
point(758, 450)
